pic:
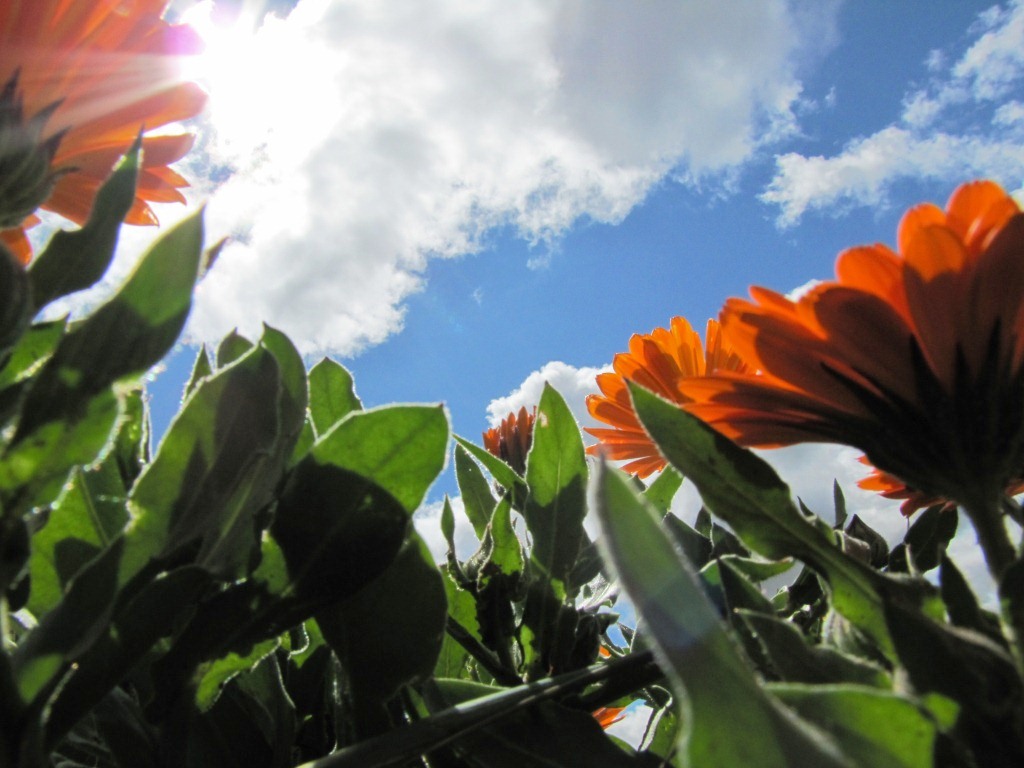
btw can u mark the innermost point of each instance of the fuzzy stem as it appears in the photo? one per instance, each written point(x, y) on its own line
point(6, 636)
point(987, 519)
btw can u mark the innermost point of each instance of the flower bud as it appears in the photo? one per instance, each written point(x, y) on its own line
point(26, 178)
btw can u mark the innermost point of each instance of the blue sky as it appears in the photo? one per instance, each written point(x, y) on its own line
point(459, 199)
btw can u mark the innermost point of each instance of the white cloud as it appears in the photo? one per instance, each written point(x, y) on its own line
point(964, 124)
point(632, 726)
point(428, 525)
point(866, 168)
point(572, 383)
point(1011, 113)
point(360, 139)
point(995, 62)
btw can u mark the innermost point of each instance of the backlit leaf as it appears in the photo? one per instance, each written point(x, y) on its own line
point(728, 719)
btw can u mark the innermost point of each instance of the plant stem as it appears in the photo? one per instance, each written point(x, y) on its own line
point(6, 635)
point(987, 518)
point(494, 667)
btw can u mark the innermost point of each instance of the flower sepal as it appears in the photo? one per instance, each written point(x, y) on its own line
point(26, 176)
point(15, 302)
point(75, 260)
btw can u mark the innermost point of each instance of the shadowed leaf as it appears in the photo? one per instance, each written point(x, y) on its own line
point(401, 448)
point(76, 259)
point(746, 492)
point(728, 719)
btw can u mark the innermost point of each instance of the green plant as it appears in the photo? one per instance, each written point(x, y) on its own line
point(253, 592)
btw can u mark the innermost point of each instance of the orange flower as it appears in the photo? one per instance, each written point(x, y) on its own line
point(890, 487)
point(510, 441)
point(914, 356)
point(659, 361)
point(608, 716)
point(109, 68)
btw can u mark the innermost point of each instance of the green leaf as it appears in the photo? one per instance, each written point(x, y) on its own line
point(696, 547)
point(131, 447)
point(497, 569)
point(453, 659)
point(293, 397)
point(33, 472)
point(213, 471)
point(332, 534)
point(556, 474)
point(878, 548)
point(77, 259)
point(728, 719)
point(478, 709)
point(973, 671)
point(462, 606)
point(15, 302)
point(113, 735)
point(332, 395)
point(927, 539)
point(401, 448)
point(201, 368)
point(138, 624)
point(724, 543)
point(507, 552)
point(547, 735)
point(390, 632)
point(125, 336)
point(69, 403)
point(794, 660)
point(502, 473)
point(199, 495)
point(962, 605)
point(85, 520)
point(838, 504)
point(756, 568)
point(746, 492)
point(662, 733)
point(14, 557)
point(703, 523)
point(232, 347)
point(875, 728)
point(252, 725)
point(304, 442)
point(32, 349)
point(660, 493)
point(213, 675)
point(739, 591)
point(90, 512)
point(475, 490)
point(448, 525)
point(337, 532)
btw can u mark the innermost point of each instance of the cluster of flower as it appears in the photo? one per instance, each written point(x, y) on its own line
point(81, 81)
point(914, 356)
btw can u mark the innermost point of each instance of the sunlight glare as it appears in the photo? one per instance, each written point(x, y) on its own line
point(264, 79)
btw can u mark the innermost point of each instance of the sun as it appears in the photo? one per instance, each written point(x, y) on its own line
point(264, 74)
point(234, 70)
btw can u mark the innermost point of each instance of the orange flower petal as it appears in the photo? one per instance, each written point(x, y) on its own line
point(915, 357)
point(16, 242)
point(660, 361)
point(111, 66)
